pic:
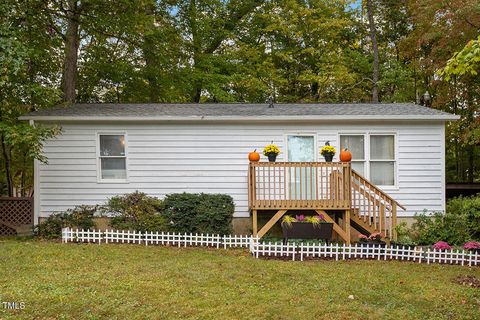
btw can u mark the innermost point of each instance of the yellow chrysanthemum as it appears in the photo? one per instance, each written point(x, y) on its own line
point(271, 149)
point(328, 150)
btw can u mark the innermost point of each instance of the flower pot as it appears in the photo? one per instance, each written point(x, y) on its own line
point(305, 230)
point(328, 157)
point(272, 157)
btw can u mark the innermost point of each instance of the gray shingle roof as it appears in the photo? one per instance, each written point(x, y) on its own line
point(238, 111)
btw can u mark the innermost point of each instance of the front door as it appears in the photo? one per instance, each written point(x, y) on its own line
point(301, 148)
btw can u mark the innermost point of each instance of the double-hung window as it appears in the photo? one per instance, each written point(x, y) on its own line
point(382, 159)
point(373, 156)
point(112, 157)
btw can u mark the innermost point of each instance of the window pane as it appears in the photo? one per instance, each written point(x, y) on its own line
point(382, 147)
point(301, 149)
point(382, 173)
point(359, 166)
point(355, 144)
point(113, 168)
point(112, 145)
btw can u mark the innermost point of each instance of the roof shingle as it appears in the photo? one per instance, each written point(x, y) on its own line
point(238, 111)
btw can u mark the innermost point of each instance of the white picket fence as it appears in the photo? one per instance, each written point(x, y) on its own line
point(156, 238)
point(345, 252)
point(259, 249)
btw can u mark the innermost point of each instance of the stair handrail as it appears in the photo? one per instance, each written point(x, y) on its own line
point(356, 175)
point(381, 200)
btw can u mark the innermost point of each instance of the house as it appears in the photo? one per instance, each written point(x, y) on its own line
point(110, 149)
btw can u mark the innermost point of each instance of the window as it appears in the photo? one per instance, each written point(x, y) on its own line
point(356, 145)
point(301, 148)
point(380, 157)
point(112, 157)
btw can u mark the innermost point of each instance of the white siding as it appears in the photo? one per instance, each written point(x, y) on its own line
point(212, 158)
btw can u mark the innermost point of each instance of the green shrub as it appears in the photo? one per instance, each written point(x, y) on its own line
point(460, 223)
point(468, 208)
point(136, 211)
point(199, 213)
point(79, 217)
point(404, 236)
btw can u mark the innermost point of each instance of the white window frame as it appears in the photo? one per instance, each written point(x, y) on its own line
point(394, 160)
point(302, 134)
point(367, 159)
point(99, 157)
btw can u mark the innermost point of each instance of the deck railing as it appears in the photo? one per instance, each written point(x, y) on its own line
point(298, 185)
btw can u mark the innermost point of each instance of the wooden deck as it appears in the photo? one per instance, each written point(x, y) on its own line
point(324, 187)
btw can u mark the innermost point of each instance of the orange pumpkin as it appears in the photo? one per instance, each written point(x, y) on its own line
point(345, 155)
point(254, 156)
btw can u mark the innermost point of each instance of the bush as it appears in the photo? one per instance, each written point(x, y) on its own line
point(136, 211)
point(460, 223)
point(468, 208)
point(79, 217)
point(199, 213)
point(404, 236)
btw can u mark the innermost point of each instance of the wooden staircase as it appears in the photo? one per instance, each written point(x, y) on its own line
point(321, 187)
point(372, 210)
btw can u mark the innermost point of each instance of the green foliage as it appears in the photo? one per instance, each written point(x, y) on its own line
point(202, 213)
point(79, 217)
point(404, 236)
point(466, 61)
point(460, 223)
point(287, 220)
point(467, 208)
point(136, 211)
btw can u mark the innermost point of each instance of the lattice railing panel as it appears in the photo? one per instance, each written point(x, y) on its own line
point(7, 231)
point(16, 212)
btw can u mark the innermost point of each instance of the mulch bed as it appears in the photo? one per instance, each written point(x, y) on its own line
point(469, 281)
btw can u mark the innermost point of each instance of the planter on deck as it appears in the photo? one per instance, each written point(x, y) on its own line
point(305, 230)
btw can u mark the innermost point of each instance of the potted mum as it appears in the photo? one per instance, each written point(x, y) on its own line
point(271, 151)
point(472, 246)
point(306, 227)
point(441, 246)
point(328, 152)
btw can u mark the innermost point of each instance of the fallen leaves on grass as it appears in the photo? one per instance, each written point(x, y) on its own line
point(469, 281)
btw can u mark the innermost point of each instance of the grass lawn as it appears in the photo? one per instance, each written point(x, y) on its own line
point(88, 281)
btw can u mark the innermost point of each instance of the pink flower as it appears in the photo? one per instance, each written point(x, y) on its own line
point(441, 245)
point(471, 245)
point(321, 216)
point(375, 236)
point(300, 217)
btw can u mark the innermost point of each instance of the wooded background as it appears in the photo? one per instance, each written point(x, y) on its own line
point(63, 51)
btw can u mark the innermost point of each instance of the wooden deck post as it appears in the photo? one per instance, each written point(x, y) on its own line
point(254, 222)
point(347, 226)
point(347, 179)
point(394, 221)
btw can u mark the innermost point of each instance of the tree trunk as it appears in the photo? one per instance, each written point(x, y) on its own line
point(150, 56)
point(7, 163)
point(471, 163)
point(376, 62)
point(197, 53)
point(72, 40)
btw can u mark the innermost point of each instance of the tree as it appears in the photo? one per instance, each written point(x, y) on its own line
point(434, 39)
point(25, 84)
point(376, 61)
